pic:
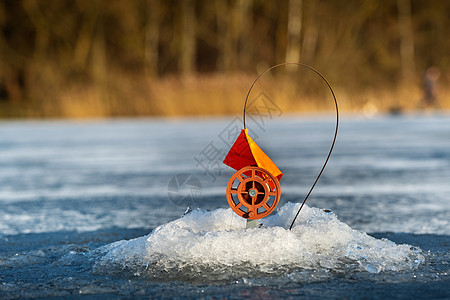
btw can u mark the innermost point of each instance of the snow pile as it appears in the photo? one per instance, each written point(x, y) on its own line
point(216, 245)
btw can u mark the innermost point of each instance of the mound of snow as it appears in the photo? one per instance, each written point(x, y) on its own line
point(216, 245)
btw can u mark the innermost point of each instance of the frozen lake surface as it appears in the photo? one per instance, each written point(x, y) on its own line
point(85, 210)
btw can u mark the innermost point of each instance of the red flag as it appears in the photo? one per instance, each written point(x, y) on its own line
point(245, 152)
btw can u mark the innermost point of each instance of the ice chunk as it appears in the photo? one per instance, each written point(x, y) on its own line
point(215, 244)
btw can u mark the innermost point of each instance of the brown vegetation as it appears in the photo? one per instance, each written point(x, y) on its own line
point(78, 59)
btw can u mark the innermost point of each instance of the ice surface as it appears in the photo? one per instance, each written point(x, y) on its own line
point(71, 187)
point(215, 245)
point(385, 175)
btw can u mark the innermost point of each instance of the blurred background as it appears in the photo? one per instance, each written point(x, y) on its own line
point(89, 59)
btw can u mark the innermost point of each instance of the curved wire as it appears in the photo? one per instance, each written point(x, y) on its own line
point(335, 132)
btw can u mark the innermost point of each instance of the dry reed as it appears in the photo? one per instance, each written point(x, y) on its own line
point(205, 95)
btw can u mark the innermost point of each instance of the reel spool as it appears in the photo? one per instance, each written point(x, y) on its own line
point(253, 192)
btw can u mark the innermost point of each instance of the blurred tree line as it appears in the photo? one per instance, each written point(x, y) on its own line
point(49, 48)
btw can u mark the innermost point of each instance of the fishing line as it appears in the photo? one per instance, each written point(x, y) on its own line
point(335, 132)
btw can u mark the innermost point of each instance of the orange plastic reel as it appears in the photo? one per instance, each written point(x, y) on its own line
point(253, 193)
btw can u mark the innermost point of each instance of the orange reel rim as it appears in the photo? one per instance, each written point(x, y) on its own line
point(256, 195)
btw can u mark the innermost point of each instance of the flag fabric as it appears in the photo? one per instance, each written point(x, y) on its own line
point(245, 152)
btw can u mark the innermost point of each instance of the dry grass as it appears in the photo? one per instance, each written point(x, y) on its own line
point(209, 96)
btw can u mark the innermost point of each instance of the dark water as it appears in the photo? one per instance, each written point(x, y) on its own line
point(70, 189)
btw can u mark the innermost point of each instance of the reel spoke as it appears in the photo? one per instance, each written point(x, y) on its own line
point(240, 177)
